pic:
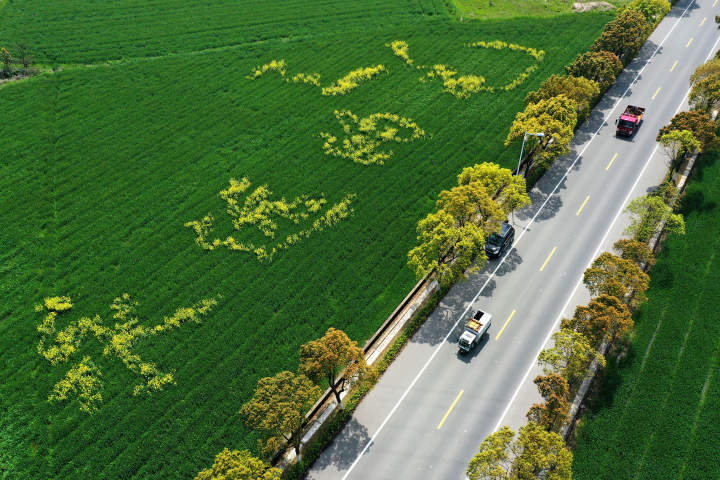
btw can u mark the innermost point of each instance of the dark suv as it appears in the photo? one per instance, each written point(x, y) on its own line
point(498, 243)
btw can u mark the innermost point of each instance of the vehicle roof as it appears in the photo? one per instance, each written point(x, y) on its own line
point(630, 118)
point(506, 227)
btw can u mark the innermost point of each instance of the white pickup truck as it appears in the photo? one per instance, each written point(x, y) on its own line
point(475, 328)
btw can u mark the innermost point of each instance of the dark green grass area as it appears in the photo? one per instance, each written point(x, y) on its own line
point(102, 166)
point(663, 420)
point(85, 31)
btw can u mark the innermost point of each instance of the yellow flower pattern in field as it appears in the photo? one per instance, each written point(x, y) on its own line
point(464, 86)
point(259, 211)
point(83, 378)
point(364, 136)
point(401, 49)
point(278, 66)
point(352, 80)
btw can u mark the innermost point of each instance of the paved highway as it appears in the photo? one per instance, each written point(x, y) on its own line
point(433, 407)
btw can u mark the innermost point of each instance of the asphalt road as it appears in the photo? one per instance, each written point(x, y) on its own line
point(433, 407)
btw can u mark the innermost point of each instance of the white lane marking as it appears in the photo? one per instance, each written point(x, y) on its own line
point(557, 322)
point(522, 234)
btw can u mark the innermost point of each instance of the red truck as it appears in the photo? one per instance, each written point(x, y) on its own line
point(629, 121)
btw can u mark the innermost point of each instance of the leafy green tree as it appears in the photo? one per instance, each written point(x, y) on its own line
point(579, 89)
point(652, 10)
point(699, 123)
point(446, 247)
point(501, 456)
point(705, 81)
point(239, 465)
point(325, 358)
point(604, 318)
point(277, 410)
point(705, 94)
point(624, 35)
point(556, 118)
point(542, 453)
point(601, 67)
point(615, 276)
point(638, 252)
point(471, 203)
point(678, 143)
point(555, 390)
point(646, 214)
point(6, 59)
point(570, 356)
point(508, 190)
point(494, 458)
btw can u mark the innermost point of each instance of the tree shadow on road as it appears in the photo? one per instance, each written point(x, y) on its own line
point(346, 447)
point(436, 328)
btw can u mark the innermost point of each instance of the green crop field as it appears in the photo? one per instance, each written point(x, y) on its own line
point(664, 419)
point(104, 168)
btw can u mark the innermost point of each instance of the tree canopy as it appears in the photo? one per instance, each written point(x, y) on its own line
point(502, 456)
point(631, 249)
point(601, 67)
point(452, 238)
point(277, 409)
point(239, 465)
point(705, 81)
point(652, 10)
point(678, 143)
point(325, 358)
point(508, 190)
point(579, 89)
point(556, 118)
point(699, 123)
point(646, 214)
point(624, 35)
point(615, 276)
point(446, 247)
point(555, 391)
point(570, 355)
point(604, 318)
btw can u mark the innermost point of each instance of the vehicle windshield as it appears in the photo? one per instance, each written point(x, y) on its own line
point(626, 124)
point(495, 240)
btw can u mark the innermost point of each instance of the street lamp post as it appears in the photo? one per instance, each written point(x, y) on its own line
point(539, 135)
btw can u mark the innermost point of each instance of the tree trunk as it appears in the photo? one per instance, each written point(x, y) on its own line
point(296, 445)
point(337, 397)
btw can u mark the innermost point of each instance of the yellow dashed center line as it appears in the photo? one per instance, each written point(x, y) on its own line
point(583, 205)
point(703, 20)
point(689, 42)
point(674, 65)
point(450, 409)
point(512, 314)
point(548, 259)
point(611, 161)
point(655, 94)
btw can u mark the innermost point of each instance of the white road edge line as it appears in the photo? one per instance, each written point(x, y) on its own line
point(532, 220)
point(627, 198)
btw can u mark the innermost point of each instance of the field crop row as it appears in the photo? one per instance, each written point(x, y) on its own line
point(663, 419)
point(102, 168)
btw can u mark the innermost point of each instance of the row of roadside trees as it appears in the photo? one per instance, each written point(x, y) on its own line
point(618, 284)
point(564, 101)
point(278, 407)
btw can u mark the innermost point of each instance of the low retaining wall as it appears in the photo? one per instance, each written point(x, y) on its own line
point(373, 349)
